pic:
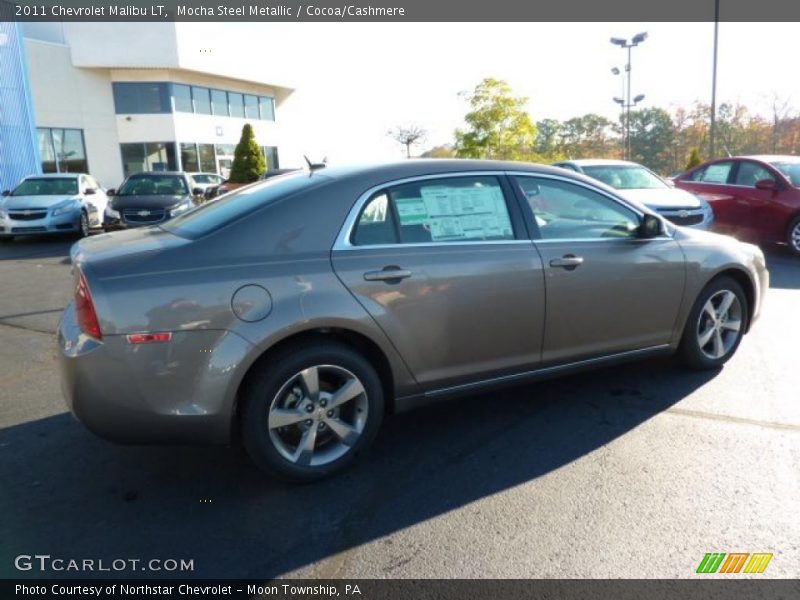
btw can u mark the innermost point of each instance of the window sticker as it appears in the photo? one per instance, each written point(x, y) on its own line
point(411, 211)
point(453, 213)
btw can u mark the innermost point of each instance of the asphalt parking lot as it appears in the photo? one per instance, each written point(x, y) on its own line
point(632, 472)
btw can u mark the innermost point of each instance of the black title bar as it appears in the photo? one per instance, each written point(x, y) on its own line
point(398, 10)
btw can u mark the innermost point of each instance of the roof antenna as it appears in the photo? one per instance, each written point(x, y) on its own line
point(315, 166)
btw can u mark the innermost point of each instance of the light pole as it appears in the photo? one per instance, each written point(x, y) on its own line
point(711, 149)
point(623, 43)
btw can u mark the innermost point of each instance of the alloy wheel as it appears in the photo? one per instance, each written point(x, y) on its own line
point(794, 237)
point(84, 224)
point(719, 324)
point(318, 415)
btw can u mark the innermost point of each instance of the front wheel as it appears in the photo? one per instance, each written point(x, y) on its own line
point(715, 325)
point(793, 236)
point(310, 412)
point(83, 225)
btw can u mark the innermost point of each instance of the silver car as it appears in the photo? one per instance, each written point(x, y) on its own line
point(52, 203)
point(639, 184)
point(294, 313)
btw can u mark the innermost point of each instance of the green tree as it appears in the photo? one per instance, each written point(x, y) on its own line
point(694, 159)
point(652, 134)
point(497, 124)
point(249, 163)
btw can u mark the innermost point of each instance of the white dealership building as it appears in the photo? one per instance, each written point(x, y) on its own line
point(117, 98)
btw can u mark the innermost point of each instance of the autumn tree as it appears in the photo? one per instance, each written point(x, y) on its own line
point(497, 125)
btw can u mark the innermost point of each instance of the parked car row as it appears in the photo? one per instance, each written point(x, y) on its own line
point(75, 202)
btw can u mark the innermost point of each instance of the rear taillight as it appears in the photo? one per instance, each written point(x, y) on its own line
point(84, 307)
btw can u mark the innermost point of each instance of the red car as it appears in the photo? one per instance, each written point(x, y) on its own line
point(755, 198)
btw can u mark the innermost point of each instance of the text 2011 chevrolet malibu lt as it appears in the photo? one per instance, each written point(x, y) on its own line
point(297, 312)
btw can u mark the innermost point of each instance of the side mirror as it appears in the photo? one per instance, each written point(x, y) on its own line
point(197, 191)
point(6, 192)
point(670, 182)
point(90, 191)
point(650, 227)
point(111, 192)
point(766, 184)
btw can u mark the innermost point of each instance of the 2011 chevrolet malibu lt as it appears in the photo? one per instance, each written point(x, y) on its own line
point(295, 313)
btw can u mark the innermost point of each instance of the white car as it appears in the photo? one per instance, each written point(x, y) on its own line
point(204, 181)
point(638, 183)
point(52, 203)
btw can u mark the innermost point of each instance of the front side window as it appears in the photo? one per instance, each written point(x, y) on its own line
point(790, 168)
point(457, 209)
point(565, 210)
point(47, 186)
point(749, 173)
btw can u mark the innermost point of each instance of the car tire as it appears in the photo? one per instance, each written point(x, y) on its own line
point(5, 239)
point(793, 236)
point(84, 229)
point(713, 332)
point(296, 433)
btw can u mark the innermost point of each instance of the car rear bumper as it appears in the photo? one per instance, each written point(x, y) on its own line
point(177, 392)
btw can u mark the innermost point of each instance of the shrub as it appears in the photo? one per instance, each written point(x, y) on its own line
point(249, 163)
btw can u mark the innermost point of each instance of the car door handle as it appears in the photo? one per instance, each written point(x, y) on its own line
point(568, 262)
point(388, 274)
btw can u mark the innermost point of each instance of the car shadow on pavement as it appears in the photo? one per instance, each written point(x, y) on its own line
point(37, 246)
point(67, 493)
point(784, 269)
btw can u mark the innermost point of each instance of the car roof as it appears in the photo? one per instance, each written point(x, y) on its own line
point(157, 173)
point(430, 166)
point(192, 173)
point(590, 162)
point(55, 176)
point(771, 157)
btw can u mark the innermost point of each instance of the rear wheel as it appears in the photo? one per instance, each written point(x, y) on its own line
point(793, 236)
point(311, 411)
point(715, 325)
point(6, 238)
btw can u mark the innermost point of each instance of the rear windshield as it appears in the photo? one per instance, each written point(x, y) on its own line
point(47, 186)
point(225, 209)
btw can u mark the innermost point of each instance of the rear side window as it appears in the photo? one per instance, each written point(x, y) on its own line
point(219, 212)
point(457, 209)
point(715, 173)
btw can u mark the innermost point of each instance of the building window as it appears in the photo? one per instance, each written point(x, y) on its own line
point(250, 106)
point(202, 100)
point(189, 161)
point(267, 106)
point(182, 95)
point(62, 150)
point(150, 156)
point(271, 154)
point(141, 98)
point(236, 103)
point(219, 101)
point(208, 162)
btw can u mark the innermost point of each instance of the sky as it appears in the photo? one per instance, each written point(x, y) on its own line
point(355, 81)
